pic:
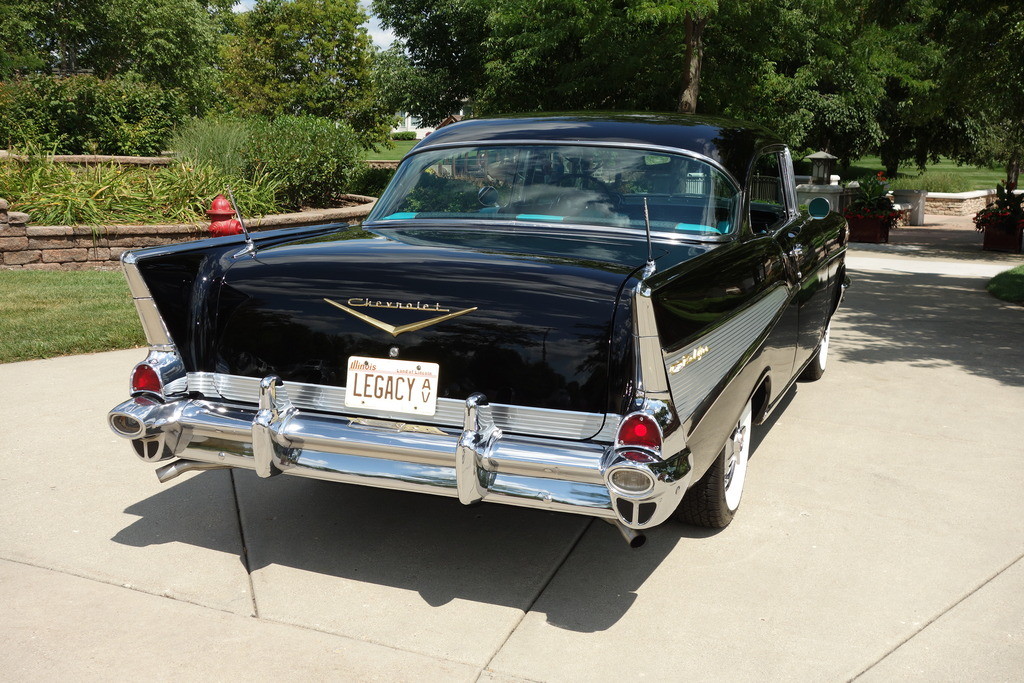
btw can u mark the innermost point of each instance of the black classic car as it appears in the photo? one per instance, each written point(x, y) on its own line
point(580, 313)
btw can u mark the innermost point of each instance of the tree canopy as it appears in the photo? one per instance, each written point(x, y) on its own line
point(848, 76)
point(171, 43)
point(983, 71)
point(305, 57)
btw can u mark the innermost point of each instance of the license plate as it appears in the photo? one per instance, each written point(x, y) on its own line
point(394, 386)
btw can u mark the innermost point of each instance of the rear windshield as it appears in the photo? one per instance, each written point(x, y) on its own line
point(604, 186)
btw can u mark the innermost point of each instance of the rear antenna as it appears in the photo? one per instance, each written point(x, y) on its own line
point(250, 246)
point(649, 268)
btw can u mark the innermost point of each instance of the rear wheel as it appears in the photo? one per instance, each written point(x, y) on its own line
point(816, 368)
point(713, 501)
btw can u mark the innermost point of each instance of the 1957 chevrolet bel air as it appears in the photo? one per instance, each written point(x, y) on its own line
point(581, 313)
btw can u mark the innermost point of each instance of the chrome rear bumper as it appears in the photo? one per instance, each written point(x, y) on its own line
point(475, 464)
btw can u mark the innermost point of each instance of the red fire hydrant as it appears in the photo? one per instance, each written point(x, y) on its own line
point(223, 217)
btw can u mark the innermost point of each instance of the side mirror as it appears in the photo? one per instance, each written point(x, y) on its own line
point(819, 208)
point(487, 196)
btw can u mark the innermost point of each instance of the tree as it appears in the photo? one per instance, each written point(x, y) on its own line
point(306, 57)
point(983, 58)
point(443, 43)
point(815, 71)
point(534, 55)
point(171, 43)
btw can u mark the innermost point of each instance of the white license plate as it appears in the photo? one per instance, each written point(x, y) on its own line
point(395, 386)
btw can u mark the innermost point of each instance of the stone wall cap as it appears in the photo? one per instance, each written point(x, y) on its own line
point(962, 195)
point(312, 217)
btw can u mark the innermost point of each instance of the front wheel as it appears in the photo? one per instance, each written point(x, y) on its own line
point(816, 368)
point(713, 501)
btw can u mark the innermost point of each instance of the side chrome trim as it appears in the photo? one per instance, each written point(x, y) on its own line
point(725, 347)
point(450, 412)
point(152, 324)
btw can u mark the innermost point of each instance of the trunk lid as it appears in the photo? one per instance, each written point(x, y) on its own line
point(530, 329)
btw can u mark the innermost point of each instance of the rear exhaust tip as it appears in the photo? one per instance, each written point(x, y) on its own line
point(179, 467)
point(126, 426)
point(634, 538)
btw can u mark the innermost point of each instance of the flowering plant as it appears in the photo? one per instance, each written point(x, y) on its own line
point(1005, 213)
point(873, 202)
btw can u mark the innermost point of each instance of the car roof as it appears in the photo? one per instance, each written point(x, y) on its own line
point(730, 143)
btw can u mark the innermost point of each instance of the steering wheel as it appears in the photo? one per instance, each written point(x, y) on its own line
point(587, 182)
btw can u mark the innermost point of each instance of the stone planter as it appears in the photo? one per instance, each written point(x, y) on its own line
point(1000, 239)
point(875, 230)
point(916, 200)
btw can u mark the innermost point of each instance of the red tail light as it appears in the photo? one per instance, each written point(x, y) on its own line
point(639, 430)
point(145, 378)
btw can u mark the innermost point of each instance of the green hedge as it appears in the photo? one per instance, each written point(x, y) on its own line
point(87, 115)
point(313, 159)
point(371, 181)
point(404, 135)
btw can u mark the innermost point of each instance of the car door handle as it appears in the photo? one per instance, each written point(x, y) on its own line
point(796, 253)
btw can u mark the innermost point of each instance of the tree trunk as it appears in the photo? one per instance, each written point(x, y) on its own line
point(1012, 173)
point(691, 67)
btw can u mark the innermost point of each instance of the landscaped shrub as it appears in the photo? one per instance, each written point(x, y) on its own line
point(371, 181)
point(87, 115)
point(932, 182)
point(404, 135)
point(315, 159)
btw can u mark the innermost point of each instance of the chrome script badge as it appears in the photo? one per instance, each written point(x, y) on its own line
point(395, 330)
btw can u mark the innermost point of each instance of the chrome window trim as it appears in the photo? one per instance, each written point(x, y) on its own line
point(736, 185)
point(788, 187)
point(657, 236)
point(789, 177)
point(582, 143)
point(545, 422)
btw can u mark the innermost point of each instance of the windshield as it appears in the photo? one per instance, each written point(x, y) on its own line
point(562, 184)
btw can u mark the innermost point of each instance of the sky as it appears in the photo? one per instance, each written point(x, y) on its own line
point(381, 38)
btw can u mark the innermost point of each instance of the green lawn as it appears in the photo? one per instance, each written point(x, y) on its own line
point(57, 313)
point(1008, 285)
point(972, 177)
point(401, 147)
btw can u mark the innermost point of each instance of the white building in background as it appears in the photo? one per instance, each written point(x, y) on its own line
point(408, 122)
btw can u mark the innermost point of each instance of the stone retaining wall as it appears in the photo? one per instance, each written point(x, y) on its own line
point(958, 203)
point(79, 247)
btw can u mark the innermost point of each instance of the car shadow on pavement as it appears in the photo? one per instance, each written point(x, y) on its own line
point(930, 320)
point(434, 546)
point(576, 570)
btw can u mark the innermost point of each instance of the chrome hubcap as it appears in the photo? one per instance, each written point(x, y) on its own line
point(738, 437)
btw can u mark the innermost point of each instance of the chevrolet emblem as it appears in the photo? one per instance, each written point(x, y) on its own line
point(395, 330)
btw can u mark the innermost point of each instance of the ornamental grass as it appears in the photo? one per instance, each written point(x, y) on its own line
point(109, 194)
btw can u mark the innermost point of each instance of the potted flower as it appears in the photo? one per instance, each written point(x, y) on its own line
point(1002, 221)
point(871, 215)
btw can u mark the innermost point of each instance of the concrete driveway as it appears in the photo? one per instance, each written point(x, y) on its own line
point(880, 538)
